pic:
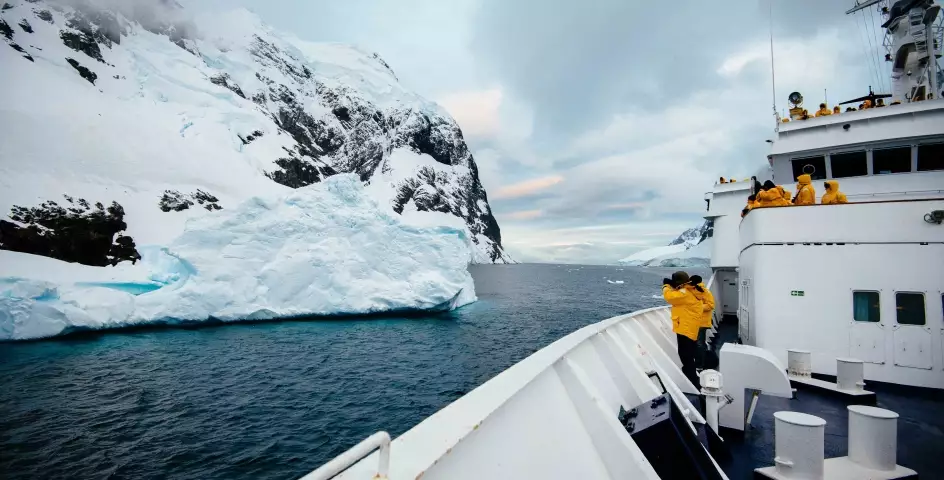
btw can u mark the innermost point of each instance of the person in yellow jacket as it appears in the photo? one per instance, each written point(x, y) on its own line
point(833, 195)
point(806, 194)
point(704, 295)
point(687, 311)
point(787, 196)
point(751, 202)
point(769, 196)
point(823, 110)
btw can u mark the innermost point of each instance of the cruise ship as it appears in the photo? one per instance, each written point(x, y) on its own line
point(828, 326)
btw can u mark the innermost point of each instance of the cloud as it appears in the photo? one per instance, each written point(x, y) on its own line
point(476, 112)
point(598, 126)
point(528, 187)
point(523, 215)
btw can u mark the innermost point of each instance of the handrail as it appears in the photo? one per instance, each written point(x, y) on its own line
point(343, 461)
point(903, 200)
point(426, 445)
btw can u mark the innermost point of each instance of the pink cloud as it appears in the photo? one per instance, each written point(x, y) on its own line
point(528, 187)
point(476, 112)
point(523, 215)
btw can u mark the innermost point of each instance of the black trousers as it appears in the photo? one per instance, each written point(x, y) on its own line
point(702, 347)
point(687, 350)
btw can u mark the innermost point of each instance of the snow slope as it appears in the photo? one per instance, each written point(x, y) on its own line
point(644, 256)
point(320, 250)
point(697, 256)
point(692, 248)
point(111, 101)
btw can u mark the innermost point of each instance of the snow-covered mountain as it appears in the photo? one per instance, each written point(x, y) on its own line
point(692, 248)
point(158, 117)
point(693, 236)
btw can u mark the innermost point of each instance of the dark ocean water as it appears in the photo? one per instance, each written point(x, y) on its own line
point(275, 400)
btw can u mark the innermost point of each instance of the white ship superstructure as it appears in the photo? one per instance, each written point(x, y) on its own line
point(863, 279)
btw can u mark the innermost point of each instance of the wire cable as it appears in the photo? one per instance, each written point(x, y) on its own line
point(869, 64)
point(878, 55)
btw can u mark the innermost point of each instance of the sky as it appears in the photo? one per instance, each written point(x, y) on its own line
point(599, 125)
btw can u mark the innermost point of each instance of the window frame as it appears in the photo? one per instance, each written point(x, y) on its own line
point(832, 169)
point(924, 309)
point(825, 159)
point(918, 156)
point(911, 158)
point(878, 296)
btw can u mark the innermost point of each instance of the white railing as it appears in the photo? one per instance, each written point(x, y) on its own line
point(379, 440)
point(553, 414)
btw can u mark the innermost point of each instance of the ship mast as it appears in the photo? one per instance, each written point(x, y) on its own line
point(910, 26)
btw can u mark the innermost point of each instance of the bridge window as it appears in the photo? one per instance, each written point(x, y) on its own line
point(931, 157)
point(891, 160)
point(865, 306)
point(849, 164)
point(910, 308)
point(814, 166)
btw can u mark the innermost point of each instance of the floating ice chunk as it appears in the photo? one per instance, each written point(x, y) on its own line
point(321, 250)
point(615, 282)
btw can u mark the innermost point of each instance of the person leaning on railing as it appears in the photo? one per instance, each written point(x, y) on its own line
point(806, 194)
point(707, 300)
point(686, 317)
point(833, 195)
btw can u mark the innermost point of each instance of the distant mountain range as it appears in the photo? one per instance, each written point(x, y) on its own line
point(692, 248)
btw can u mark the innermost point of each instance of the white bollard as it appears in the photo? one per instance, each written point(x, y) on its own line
point(799, 363)
point(850, 374)
point(799, 442)
point(873, 437)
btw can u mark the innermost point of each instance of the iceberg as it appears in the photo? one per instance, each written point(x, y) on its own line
point(326, 249)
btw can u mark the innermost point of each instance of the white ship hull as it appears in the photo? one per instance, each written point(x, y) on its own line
point(552, 415)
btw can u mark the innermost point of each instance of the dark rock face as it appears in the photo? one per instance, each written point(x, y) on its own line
point(82, 43)
point(25, 26)
point(297, 172)
point(363, 137)
point(208, 201)
point(84, 72)
point(224, 81)
point(21, 50)
point(5, 30)
point(249, 138)
point(173, 200)
point(77, 232)
point(45, 16)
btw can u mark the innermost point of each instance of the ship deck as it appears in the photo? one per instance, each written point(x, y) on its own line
point(920, 425)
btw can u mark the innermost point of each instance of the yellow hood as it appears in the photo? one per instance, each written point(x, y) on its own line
point(804, 179)
point(832, 186)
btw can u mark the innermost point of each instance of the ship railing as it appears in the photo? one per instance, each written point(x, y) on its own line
point(379, 440)
point(580, 382)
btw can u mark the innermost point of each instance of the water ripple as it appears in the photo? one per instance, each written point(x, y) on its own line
point(276, 400)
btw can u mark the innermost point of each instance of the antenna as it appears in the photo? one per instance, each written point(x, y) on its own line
point(825, 98)
point(773, 76)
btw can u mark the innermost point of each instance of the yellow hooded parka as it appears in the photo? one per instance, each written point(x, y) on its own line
point(833, 195)
point(806, 194)
point(687, 310)
point(708, 304)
